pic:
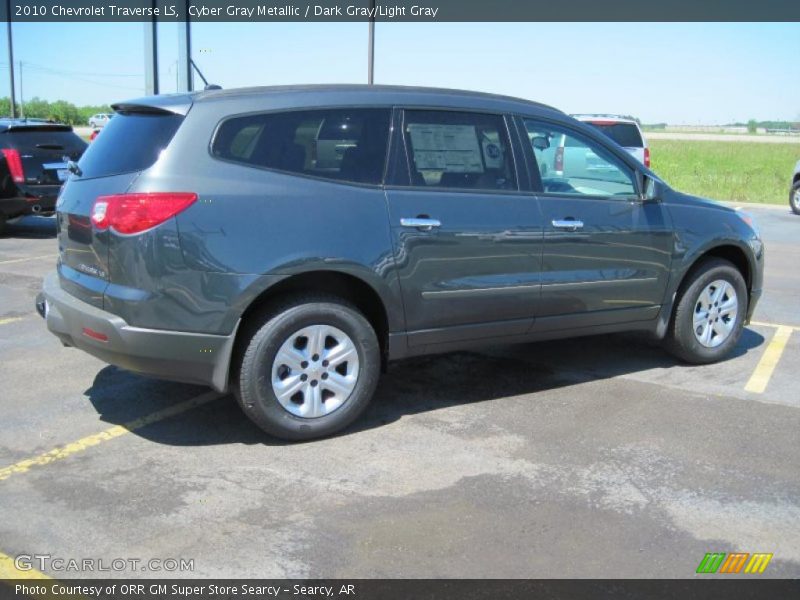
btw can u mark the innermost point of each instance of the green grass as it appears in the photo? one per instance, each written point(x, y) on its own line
point(735, 171)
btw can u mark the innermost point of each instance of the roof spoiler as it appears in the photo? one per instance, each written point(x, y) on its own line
point(178, 104)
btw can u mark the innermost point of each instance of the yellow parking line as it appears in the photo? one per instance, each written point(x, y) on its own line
point(10, 320)
point(16, 260)
point(766, 324)
point(760, 378)
point(8, 570)
point(104, 436)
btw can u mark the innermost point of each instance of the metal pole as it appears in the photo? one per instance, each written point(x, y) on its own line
point(21, 95)
point(11, 59)
point(371, 59)
point(185, 79)
point(151, 57)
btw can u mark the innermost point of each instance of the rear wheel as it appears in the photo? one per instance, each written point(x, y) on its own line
point(709, 316)
point(309, 369)
point(794, 197)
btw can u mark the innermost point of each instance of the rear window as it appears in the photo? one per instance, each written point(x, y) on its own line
point(625, 134)
point(45, 138)
point(130, 142)
point(346, 144)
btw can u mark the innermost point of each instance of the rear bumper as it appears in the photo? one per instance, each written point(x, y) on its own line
point(178, 356)
point(30, 200)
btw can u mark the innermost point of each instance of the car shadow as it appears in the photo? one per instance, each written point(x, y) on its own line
point(409, 387)
point(31, 228)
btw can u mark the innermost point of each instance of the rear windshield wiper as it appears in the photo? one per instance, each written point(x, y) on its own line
point(50, 146)
point(73, 168)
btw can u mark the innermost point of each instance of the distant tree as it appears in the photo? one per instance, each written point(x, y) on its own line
point(64, 112)
point(752, 125)
point(36, 108)
point(60, 110)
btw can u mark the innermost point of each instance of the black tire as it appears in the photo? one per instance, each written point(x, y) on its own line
point(794, 197)
point(681, 340)
point(254, 389)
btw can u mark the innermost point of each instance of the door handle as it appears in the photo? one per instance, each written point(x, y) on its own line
point(424, 223)
point(568, 224)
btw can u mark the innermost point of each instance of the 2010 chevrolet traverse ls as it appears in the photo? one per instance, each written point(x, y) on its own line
point(285, 243)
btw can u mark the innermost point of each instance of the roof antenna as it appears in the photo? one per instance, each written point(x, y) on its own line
point(208, 86)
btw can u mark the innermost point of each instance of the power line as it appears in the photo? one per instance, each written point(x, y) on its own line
point(44, 71)
point(77, 73)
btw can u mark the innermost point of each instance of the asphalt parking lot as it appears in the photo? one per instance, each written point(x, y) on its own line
point(598, 457)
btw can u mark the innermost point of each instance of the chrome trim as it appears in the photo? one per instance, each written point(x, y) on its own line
point(481, 291)
point(569, 224)
point(420, 223)
point(599, 282)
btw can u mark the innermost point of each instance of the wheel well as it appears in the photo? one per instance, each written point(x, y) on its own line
point(796, 178)
point(734, 255)
point(342, 285)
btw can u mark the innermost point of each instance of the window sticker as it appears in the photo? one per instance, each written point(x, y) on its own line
point(492, 154)
point(449, 148)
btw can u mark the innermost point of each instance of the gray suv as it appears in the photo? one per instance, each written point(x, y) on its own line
point(238, 239)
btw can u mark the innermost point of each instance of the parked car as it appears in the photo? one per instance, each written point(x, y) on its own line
point(33, 165)
point(794, 193)
point(623, 130)
point(200, 242)
point(99, 120)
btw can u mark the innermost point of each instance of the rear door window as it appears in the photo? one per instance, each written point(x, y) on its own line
point(625, 134)
point(460, 150)
point(347, 144)
point(45, 138)
point(130, 142)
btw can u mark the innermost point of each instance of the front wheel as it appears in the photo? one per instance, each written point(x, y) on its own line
point(794, 197)
point(709, 316)
point(309, 369)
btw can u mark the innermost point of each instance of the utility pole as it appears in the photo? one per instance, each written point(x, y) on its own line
point(11, 59)
point(21, 95)
point(185, 75)
point(371, 51)
point(151, 56)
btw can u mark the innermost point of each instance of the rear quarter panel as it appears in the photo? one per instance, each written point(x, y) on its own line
point(251, 228)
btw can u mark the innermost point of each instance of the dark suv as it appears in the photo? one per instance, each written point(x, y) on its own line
point(234, 239)
point(33, 165)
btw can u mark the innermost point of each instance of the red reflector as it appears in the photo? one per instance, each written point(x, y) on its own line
point(135, 213)
point(647, 157)
point(14, 164)
point(604, 123)
point(95, 335)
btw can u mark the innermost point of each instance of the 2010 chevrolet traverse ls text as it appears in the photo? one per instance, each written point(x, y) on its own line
point(285, 243)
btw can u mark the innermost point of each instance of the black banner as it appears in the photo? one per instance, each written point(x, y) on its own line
point(389, 589)
point(400, 10)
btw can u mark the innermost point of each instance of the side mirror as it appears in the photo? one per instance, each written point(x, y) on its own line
point(540, 142)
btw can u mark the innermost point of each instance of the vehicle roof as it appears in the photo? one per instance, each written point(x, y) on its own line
point(602, 117)
point(380, 95)
point(7, 123)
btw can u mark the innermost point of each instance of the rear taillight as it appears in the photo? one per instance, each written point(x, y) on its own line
point(134, 213)
point(14, 164)
point(559, 161)
point(647, 157)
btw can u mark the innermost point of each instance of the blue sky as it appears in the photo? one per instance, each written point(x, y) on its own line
point(688, 73)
